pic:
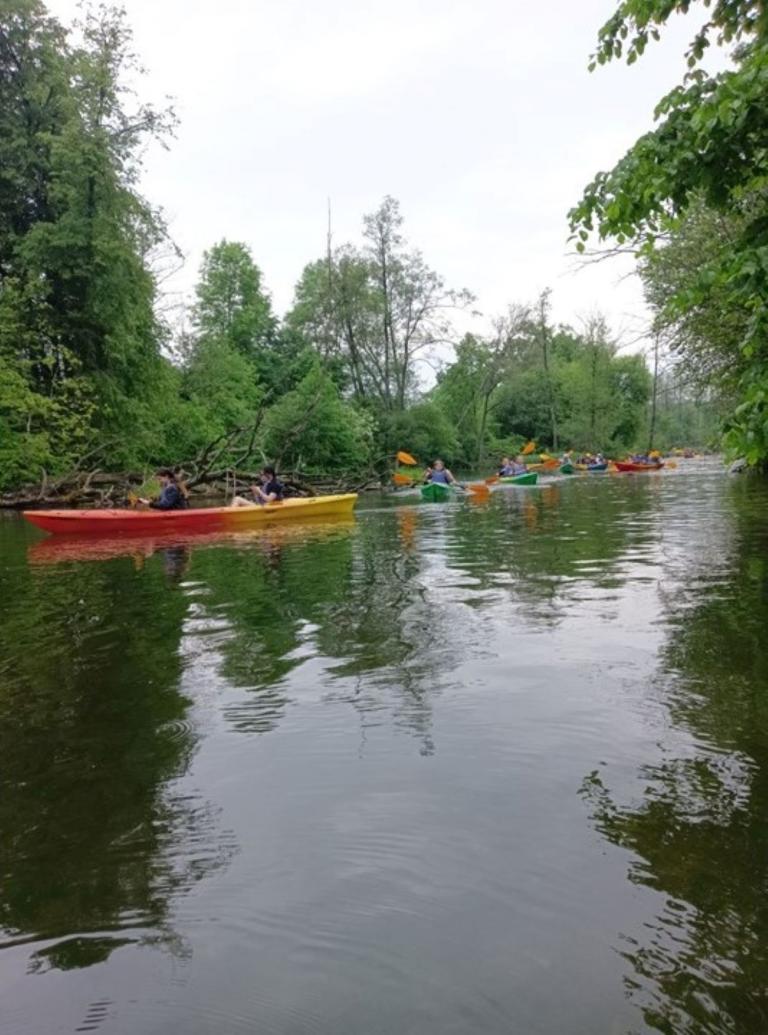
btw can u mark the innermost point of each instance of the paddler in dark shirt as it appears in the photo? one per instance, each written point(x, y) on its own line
point(172, 495)
point(271, 490)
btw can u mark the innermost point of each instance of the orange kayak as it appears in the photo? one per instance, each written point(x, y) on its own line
point(195, 519)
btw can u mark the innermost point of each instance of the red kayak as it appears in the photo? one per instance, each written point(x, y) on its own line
point(202, 519)
point(628, 465)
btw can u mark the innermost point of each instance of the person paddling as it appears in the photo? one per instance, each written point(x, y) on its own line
point(271, 490)
point(172, 495)
point(439, 474)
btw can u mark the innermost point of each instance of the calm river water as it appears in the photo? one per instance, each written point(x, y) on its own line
point(492, 767)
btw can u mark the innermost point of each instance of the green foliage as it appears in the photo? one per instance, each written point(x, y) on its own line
point(78, 335)
point(708, 151)
point(223, 384)
point(498, 394)
point(232, 308)
point(313, 430)
point(377, 310)
point(425, 430)
point(84, 367)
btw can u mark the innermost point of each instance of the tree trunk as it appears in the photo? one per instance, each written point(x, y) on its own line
point(544, 333)
point(652, 428)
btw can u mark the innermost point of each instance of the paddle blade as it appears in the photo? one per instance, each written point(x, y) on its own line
point(407, 459)
point(479, 488)
point(529, 448)
point(402, 479)
point(492, 480)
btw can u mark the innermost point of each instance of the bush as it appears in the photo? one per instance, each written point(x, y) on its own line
point(313, 430)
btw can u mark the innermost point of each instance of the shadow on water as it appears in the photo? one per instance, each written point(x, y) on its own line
point(698, 825)
point(97, 839)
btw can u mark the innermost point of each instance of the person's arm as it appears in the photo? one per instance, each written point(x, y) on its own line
point(449, 476)
point(169, 499)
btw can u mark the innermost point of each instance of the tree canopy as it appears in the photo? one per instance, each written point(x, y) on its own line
point(368, 358)
point(705, 162)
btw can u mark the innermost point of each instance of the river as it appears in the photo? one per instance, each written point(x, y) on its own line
point(482, 767)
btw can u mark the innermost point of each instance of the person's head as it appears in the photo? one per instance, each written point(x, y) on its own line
point(519, 459)
point(438, 465)
point(505, 461)
point(166, 475)
point(267, 474)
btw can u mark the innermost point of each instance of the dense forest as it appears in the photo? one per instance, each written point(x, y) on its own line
point(95, 375)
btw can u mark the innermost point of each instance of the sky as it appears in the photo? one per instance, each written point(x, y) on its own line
point(478, 115)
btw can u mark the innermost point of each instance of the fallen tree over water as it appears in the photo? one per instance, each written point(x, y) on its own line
point(110, 489)
point(225, 467)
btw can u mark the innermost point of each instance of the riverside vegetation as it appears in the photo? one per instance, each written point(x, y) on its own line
point(99, 372)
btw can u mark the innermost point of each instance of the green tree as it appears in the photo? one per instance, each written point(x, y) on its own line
point(312, 429)
point(379, 308)
point(76, 290)
point(424, 429)
point(231, 304)
point(710, 147)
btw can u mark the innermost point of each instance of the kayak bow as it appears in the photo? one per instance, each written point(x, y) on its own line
point(434, 492)
point(529, 478)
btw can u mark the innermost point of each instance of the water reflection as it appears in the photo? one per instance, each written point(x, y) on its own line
point(697, 826)
point(94, 733)
point(394, 715)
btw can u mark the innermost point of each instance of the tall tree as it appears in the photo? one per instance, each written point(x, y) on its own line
point(380, 308)
point(231, 304)
point(710, 145)
point(76, 292)
point(544, 335)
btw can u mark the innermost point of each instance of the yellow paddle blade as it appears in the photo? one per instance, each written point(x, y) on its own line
point(544, 456)
point(407, 459)
point(529, 448)
point(402, 479)
point(492, 480)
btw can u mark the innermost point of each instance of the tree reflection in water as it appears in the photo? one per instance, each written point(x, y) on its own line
point(699, 831)
point(95, 838)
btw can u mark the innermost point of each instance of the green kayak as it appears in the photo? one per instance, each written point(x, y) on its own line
point(567, 469)
point(529, 478)
point(434, 492)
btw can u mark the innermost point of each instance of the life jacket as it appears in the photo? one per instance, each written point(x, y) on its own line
point(439, 478)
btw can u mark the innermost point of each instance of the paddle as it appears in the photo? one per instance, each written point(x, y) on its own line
point(406, 458)
point(401, 479)
point(479, 488)
point(529, 448)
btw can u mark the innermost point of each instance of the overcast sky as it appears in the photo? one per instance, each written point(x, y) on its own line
point(479, 115)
